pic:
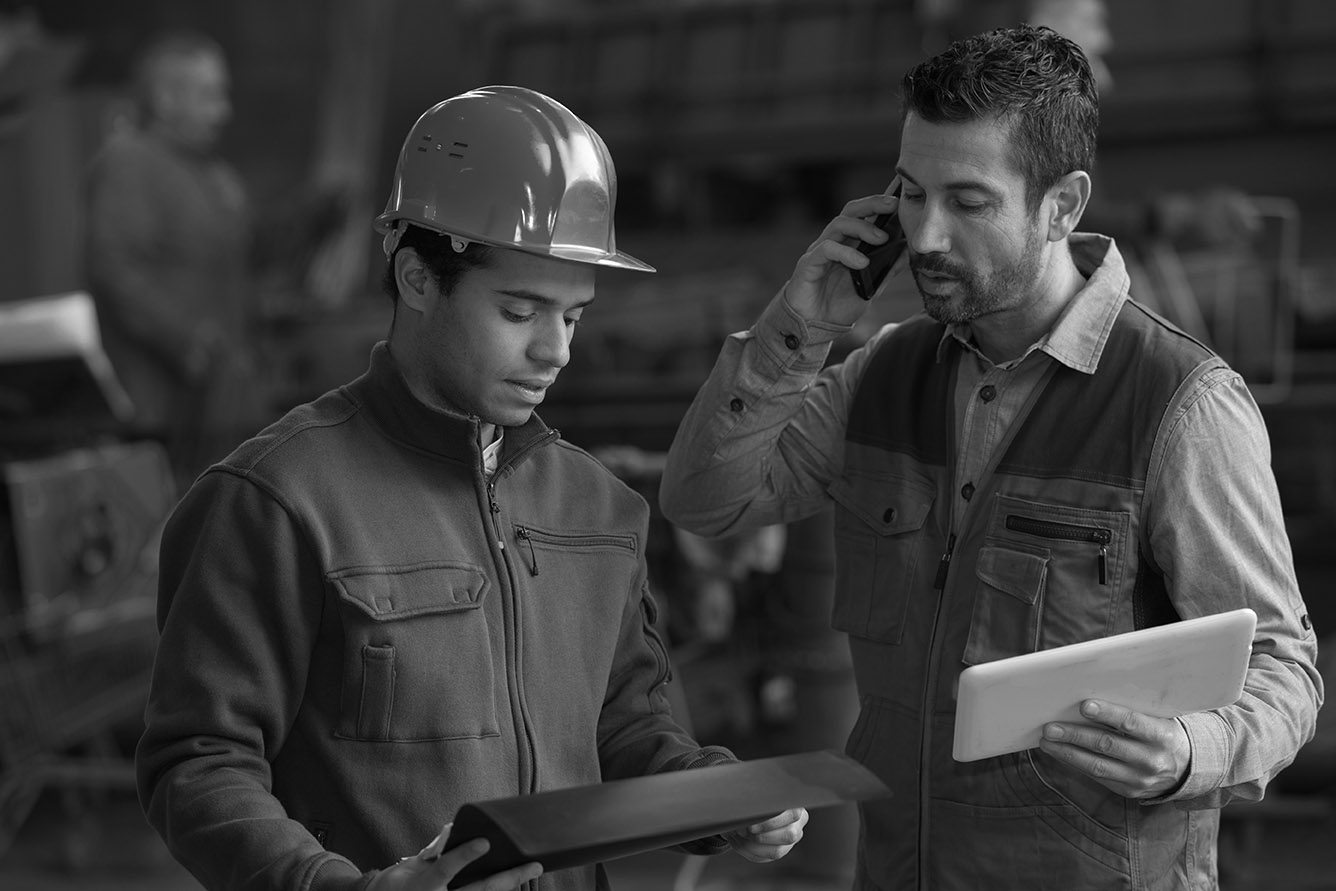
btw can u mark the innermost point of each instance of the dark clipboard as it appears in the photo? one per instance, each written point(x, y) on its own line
point(618, 818)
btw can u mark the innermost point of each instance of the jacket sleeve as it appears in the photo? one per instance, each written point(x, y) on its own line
point(637, 733)
point(1217, 532)
point(764, 436)
point(239, 606)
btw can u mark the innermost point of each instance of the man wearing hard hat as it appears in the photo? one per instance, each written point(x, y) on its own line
point(410, 593)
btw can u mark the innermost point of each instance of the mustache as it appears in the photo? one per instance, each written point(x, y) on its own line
point(936, 263)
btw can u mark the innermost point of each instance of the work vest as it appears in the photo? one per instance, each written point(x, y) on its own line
point(1048, 550)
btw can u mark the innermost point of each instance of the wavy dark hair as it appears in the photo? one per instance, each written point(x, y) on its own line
point(445, 264)
point(1030, 77)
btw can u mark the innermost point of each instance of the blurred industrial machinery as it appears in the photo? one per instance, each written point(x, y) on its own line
point(80, 512)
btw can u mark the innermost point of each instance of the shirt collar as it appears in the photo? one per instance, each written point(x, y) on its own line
point(491, 453)
point(1077, 339)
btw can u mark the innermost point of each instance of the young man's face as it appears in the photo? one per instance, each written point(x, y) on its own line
point(493, 346)
point(974, 247)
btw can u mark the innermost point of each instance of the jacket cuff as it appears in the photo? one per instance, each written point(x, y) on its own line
point(707, 756)
point(338, 874)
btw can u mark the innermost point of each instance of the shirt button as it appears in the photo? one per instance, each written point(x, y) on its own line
point(988, 393)
point(791, 341)
point(735, 404)
point(888, 515)
point(967, 491)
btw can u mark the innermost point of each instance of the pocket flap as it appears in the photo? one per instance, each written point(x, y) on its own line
point(889, 506)
point(1017, 573)
point(386, 593)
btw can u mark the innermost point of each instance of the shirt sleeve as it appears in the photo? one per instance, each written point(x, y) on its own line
point(1217, 532)
point(228, 680)
point(764, 436)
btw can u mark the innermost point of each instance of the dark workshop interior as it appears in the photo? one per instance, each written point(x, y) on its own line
point(738, 127)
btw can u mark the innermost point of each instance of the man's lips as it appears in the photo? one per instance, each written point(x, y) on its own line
point(532, 389)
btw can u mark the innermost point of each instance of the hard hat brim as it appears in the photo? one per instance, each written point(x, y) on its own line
point(572, 253)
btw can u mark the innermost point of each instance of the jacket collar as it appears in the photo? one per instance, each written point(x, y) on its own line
point(383, 393)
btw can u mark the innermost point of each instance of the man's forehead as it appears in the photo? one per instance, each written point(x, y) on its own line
point(957, 154)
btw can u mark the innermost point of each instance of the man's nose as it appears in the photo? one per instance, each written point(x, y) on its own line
point(928, 231)
point(552, 343)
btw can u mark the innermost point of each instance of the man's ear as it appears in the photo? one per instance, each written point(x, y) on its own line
point(1066, 203)
point(412, 279)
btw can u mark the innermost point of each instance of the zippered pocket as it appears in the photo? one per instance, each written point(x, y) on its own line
point(533, 539)
point(1049, 574)
point(1051, 529)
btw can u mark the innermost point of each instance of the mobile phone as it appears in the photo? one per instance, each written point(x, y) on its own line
point(881, 257)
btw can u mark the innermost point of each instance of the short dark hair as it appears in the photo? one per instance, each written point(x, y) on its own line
point(445, 264)
point(1030, 77)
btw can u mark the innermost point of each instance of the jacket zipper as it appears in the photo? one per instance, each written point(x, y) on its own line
point(495, 510)
point(925, 707)
point(944, 565)
point(1099, 535)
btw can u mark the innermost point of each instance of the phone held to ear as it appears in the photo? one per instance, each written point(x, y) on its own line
point(881, 257)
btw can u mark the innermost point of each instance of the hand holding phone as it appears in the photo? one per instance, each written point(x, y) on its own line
point(881, 257)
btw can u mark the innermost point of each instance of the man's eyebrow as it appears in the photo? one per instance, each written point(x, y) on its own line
point(541, 299)
point(959, 185)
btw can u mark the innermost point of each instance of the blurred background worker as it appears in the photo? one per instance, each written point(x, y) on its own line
point(169, 261)
point(175, 252)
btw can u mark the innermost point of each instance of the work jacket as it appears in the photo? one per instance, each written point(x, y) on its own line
point(361, 632)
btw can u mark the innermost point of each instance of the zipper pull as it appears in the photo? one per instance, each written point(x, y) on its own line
point(523, 535)
point(940, 582)
point(1103, 564)
point(496, 518)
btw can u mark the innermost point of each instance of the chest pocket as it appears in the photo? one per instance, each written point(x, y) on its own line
point(417, 655)
point(1048, 575)
point(879, 546)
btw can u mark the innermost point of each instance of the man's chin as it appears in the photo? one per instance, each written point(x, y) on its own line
point(938, 308)
point(511, 417)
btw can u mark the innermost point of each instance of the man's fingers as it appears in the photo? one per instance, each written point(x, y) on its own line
point(825, 252)
point(505, 881)
point(783, 820)
point(848, 230)
point(870, 205)
point(770, 839)
point(453, 861)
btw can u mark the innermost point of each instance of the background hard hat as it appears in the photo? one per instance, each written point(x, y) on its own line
point(509, 167)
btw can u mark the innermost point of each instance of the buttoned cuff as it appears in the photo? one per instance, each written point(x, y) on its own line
point(1209, 739)
point(791, 342)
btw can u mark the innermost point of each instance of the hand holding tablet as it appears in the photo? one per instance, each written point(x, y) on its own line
point(1165, 671)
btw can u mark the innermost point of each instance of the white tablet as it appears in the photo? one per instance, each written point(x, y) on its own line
point(1166, 671)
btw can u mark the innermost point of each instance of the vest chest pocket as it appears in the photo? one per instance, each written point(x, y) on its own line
point(879, 543)
point(417, 655)
point(1048, 575)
